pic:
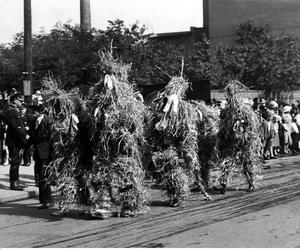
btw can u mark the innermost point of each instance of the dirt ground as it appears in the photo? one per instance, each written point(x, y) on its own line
point(268, 217)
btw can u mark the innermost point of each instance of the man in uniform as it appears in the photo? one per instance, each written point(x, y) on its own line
point(16, 139)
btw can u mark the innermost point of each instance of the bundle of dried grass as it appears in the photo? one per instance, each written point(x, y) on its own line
point(119, 134)
point(239, 141)
point(60, 108)
point(208, 128)
point(175, 139)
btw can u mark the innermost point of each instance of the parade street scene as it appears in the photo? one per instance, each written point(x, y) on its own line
point(150, 124)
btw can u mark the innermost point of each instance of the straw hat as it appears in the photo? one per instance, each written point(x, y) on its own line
point(273, 104)
point(286, 109)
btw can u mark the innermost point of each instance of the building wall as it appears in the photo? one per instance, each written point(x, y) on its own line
point(250, 94)
point(185, 38)
point(222, 16)
point(287, 97)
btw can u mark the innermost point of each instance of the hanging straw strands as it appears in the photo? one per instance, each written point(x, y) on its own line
point(177, 128)
point(239, 142)
point(208, 128)
point(120, 138)
point(60, 109)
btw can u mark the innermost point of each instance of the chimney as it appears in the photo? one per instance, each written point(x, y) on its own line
point(85, 15)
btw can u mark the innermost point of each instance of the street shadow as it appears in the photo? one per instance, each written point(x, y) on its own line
point(4, 187)
point(153, 245)
point(25, 176)
point(23, 182)
point(159, 203)
point(4, 179)
point(16, 209)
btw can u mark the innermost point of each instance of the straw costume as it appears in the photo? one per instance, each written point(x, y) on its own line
point(239, 144)
point(175, 141)
point(117, 174)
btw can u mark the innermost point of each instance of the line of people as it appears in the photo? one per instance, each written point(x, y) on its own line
point(25, 127)
point(280, 126)
point(280, 130)
point(21, 134)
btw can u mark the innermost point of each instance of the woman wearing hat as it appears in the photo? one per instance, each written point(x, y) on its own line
point(286, 126)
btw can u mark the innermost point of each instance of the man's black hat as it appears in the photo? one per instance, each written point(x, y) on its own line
point(14, 96)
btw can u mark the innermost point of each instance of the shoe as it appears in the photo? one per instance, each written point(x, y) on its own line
point(125, 214)
point(221, 188)
point(100, 213)
point(207, 198)
point(22, 185)
point(251, 188)
point(27, 164)
point(176, 202)
point(195, 188)
point(45, 206)
point(59, 213)
point(16, 187)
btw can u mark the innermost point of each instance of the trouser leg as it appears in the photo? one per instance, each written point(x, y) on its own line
point(44, 186)
point(1, 153)
point(16, 158)
point(13, 174)
point(27, 154)
point(36, 174)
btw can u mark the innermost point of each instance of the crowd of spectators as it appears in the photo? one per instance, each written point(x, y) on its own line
point(280, 125)
point(280, 130)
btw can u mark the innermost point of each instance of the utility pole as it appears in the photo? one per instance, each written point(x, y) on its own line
point(85, 15)
point(27, 82)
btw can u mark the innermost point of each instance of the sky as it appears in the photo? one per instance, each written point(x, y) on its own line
point(159, 16)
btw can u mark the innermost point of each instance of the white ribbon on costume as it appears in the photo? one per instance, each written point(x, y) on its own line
point(172, 104)
point(170, 107)
point(108, 82)
point(200, 115)
point(38, 121)
point(96, 112)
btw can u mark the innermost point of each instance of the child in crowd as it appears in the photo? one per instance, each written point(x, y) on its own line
point(286, 125)
point(295, 136)
point(275, 143)
point(269, 134)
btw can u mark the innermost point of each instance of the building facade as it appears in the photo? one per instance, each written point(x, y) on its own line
point(220, 17)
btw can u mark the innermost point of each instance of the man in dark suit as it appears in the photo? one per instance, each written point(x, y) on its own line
point(16, 138)
point(41, 143)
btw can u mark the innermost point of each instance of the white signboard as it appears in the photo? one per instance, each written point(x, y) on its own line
point(26, 88)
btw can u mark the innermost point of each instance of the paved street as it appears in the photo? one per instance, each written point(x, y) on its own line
point(268, 217)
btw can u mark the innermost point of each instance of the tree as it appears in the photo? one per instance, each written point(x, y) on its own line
point(11, 63)
point(259, 59)
point(70, 55)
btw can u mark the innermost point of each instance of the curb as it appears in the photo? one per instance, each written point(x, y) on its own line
point(22, 196)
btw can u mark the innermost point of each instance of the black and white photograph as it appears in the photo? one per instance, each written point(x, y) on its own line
point(149, 124)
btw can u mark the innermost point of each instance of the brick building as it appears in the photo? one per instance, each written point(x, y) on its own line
point(220, 17)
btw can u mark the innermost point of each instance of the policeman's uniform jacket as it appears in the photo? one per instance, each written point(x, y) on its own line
point(16, 133)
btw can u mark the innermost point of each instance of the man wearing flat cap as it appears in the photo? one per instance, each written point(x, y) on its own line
point(16, 138)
